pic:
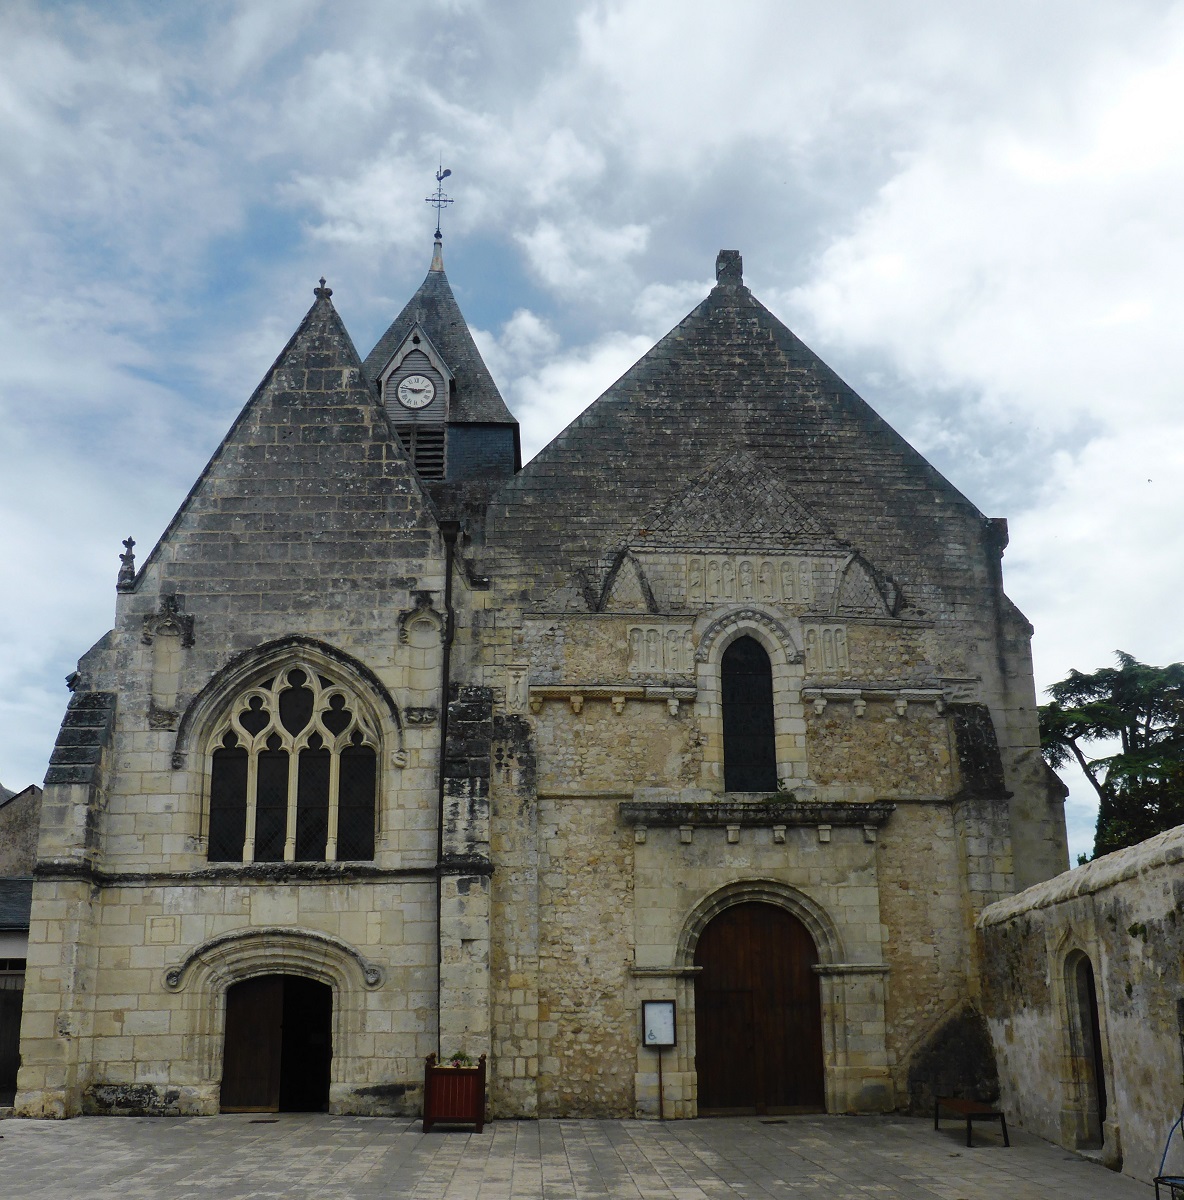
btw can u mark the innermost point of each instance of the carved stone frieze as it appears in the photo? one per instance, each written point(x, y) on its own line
point(661, 649)
point(772, 811)
point(795, 580)
point(826, 649)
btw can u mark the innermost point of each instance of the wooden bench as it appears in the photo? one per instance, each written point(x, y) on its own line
point(973, 1111)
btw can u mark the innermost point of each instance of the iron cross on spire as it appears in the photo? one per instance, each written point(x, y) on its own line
point(439, 201)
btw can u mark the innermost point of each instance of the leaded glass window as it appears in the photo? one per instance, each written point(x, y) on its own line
point(293, 773)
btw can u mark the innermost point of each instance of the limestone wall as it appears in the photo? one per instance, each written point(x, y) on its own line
point(146, 1034)
point(1125, 914)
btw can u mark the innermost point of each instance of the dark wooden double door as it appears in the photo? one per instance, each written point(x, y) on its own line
point(279, 1045)
point(758, 1014)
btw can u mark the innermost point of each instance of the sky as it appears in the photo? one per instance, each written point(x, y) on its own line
point(972, 212)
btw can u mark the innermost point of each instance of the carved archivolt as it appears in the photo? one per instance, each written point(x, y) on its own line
point(208, 971)
point(748, 619)
point(766, 891)
point(270, 950)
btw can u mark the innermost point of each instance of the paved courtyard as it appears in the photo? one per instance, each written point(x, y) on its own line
point(295, 1156)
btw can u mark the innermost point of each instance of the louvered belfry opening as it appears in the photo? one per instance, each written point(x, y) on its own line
point(293, 774)
point(424, 445)
point(750, 750)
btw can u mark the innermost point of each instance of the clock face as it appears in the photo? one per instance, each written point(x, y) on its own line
point(416, 391)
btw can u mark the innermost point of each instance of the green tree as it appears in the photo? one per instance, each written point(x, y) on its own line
point(1140, 710)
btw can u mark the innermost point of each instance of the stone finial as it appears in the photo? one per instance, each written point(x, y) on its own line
point(127, 566)
point(729, 268)
point(322, 292)
point(437, 256)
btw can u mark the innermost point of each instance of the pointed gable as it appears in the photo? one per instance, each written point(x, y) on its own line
point(731, 380)
point(309, 484)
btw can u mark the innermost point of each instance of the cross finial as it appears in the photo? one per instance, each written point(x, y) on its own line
point(127, 566)
point(322, 292)
point(439, 201)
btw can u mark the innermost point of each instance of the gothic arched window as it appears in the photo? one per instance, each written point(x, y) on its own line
point(293, 773)
point(750, 748)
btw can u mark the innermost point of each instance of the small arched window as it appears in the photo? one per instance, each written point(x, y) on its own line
point(293, 773)
point(750, 748)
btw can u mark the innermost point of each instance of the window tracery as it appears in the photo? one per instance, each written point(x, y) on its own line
point(293, 773)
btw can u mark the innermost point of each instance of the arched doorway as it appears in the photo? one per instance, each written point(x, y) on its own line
point(758, 1014)
point(750, 743)
point(279, 1045)
point(1086, 1036)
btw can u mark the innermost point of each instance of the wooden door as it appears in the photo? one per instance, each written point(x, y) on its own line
point(254, 1045)
point(758, 1014)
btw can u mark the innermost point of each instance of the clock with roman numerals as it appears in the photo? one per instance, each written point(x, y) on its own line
point(415, 391)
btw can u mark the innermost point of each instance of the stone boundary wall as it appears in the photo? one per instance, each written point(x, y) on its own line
point(1120, 917)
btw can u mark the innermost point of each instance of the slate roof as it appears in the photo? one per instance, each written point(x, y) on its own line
point(435, 309)
point(731, 390)
point(16, 899)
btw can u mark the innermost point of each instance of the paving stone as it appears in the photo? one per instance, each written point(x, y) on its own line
point(298, 1156)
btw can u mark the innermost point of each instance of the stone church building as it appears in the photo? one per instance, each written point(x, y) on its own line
point(398, 746)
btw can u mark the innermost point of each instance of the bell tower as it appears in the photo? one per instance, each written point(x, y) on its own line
point(436, 389)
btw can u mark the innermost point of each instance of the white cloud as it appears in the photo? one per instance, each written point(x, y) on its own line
point(971, 211)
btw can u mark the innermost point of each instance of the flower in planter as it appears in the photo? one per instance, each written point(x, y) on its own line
point(460, 1059)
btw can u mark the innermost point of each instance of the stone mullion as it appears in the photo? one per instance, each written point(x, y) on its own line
point(293, 785)
point(252, 797)
point(334, 792)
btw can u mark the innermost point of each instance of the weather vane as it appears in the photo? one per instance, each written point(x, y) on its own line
point(439, 201)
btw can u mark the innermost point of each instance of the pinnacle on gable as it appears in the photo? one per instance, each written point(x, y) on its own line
point(729, 269)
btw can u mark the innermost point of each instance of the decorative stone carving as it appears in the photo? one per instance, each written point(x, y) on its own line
point(826, 649)
point(858, 697)
point(517, 692)
point(422, 625)
point(421, 716)
point(774, 579)
point(661, 650)
point(126, 580)
point(577, 694)
point(168, 621)
point(740, 617)
point(775, 810)
point(162, 718)
point(169, 631)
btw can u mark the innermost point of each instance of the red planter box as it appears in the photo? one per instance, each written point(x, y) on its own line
point(454, 1094)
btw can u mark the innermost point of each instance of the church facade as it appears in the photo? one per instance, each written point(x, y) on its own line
point(399, 747)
